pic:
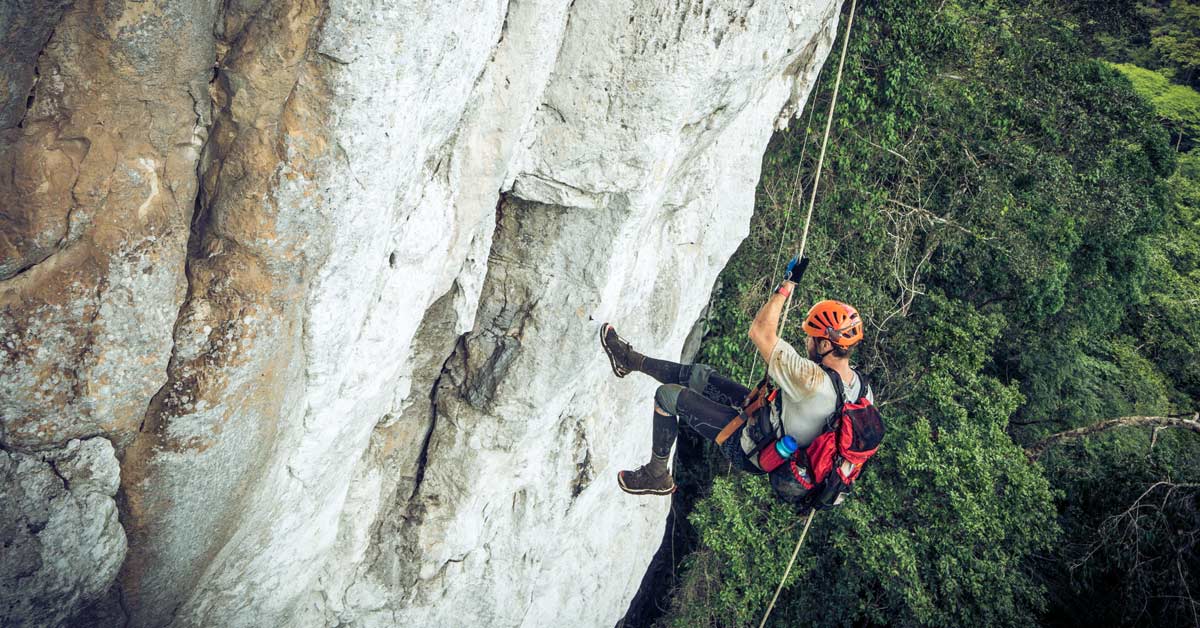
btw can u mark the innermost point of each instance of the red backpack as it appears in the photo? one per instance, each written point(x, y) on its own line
point(831, 463)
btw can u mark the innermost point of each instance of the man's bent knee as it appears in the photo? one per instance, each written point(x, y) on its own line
point(699, 378)
point(666, 399)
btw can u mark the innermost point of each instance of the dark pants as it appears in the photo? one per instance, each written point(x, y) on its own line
point(700, 398)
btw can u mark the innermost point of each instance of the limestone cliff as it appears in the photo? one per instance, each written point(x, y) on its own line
point(322, 279)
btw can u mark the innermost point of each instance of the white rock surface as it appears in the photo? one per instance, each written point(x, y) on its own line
point(385, 404)
point(62, 543)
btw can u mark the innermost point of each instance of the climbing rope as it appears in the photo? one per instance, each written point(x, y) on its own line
point(791, 562)
point(812, 199)
point(787, 221)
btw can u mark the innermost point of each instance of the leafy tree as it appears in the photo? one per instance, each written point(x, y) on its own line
point(1162, 35)
point(1131, 513)
point(1169, 322)
point(995, 203)
point(1117, 30)
point(1177, 105)
point(1175, 34)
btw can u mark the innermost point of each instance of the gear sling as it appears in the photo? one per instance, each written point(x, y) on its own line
point(759, 398)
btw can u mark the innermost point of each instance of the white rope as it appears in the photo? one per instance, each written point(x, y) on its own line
point(791, 562)
point(812, 199)
point(837, 84)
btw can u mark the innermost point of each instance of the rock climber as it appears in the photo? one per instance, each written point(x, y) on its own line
point(712, 405)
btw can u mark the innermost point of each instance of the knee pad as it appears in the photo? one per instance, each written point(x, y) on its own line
point(699, 378)
point(666, 398)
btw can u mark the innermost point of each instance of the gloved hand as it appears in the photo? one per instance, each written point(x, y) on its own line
point(795, 269)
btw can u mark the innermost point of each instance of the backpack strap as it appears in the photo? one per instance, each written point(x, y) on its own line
point(839, 388)
point(864, 384)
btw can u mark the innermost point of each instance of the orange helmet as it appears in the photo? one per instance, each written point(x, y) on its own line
point(836, 322)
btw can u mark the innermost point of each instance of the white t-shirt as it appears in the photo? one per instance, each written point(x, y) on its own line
point(807, 390)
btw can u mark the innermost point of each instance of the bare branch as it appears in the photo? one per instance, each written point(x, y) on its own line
point(1126, 528)
point(1184, 421)
point(902, 157)
point(934, 218)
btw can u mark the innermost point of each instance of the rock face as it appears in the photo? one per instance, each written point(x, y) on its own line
point(62, 542)
point(329, 273)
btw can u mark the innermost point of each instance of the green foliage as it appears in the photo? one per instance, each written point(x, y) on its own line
point(1117, 30)
point(1162, 35)
point(1176, 33)
point(1177, 105)
point(1131, 510)
point(996, 203)
point(1169, 322)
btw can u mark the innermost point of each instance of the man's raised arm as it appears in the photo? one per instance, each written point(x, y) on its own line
point(764, 331)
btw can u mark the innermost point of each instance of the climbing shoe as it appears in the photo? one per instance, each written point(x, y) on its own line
point(648, 479)
point(621, 356)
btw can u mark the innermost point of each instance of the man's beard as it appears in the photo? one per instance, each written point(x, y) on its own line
point(813, 354)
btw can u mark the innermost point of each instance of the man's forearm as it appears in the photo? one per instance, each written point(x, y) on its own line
point(764, 330)
point(768, 315)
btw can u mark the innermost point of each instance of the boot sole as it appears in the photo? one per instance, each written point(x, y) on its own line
point(643, 491)
point(612, 360)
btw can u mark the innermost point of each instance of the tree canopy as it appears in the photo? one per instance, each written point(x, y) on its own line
point(1177, 105)
point(1011, 217)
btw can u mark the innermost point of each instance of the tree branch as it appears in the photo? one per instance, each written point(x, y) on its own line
point(1041, 422)
point(1126, 528)
point(1184, 421)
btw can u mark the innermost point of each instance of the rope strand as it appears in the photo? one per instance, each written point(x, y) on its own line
point(787, 219)
point(791, 562)
point(812, 199)
point(837, 85)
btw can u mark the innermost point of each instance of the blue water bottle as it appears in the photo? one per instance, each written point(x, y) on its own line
point(786, 446)
point(772, 457)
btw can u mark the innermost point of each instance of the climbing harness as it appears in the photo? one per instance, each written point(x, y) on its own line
point(760, 398)
point(803, 245)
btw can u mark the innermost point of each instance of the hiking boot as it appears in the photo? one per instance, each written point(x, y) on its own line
point(621, 356)
point(648, 479)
